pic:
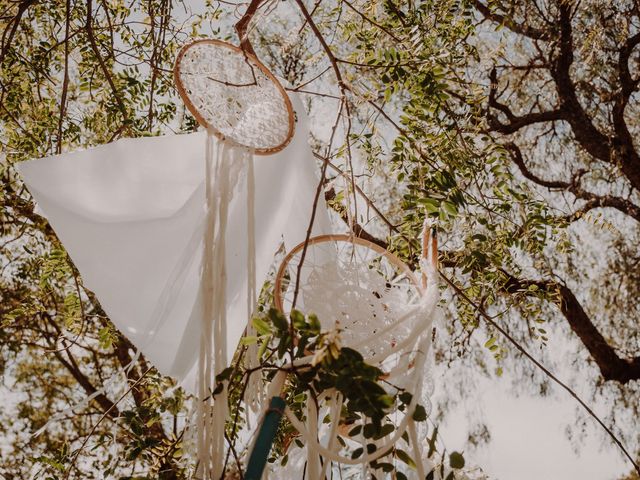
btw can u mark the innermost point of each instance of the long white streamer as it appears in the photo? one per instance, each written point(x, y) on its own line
point(224, 164)
point(254, 394)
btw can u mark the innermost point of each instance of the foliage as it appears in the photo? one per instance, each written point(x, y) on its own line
point(329, 367)
point(439, 116)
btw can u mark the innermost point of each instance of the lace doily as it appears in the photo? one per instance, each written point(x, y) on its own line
point(231, 93)
point(367, 295)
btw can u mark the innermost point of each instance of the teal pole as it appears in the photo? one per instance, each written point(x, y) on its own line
point(266, 436)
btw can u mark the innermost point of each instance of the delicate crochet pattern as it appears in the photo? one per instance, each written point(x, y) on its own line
point(357, 291)
point(233, 94)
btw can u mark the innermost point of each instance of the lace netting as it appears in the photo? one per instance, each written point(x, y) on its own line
point(234, 96)
point(376, 307)
point(359, 301)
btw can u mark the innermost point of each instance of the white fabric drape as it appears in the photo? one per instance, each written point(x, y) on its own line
point(131, 216)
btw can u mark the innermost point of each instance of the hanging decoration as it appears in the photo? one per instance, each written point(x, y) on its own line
point(242, 104)
point(234, 96)
point(163, 229)
point(377, 306)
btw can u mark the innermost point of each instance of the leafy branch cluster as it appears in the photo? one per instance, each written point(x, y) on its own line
point(369, 400)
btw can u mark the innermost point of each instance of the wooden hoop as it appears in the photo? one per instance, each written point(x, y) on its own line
point(393, 259)
point(255, 62)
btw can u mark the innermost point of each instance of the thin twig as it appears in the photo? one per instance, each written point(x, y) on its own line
point(243, 25)
point(323, 173)
point(103, 65)
point(372, 22)
point(104, 415)
point(65, 81)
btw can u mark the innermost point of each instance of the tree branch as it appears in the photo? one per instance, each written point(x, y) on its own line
point(65, 79)
point(612, 367)
point(318, 34)
point(103, 65)
point(515, 122)
point(625, 152)
point(356, 228)
point(518, 159)
point(607, 201)
point(8, 34)
point(519, 28)
point(101, 399)
point(587, 135)
point(243, 25)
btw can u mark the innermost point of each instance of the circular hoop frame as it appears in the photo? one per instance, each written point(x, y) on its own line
point(253, 60)
point(393, 259)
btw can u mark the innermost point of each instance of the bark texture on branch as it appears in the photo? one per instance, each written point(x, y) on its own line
point(606, 138)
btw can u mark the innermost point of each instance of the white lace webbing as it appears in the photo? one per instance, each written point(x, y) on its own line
point(234, 96)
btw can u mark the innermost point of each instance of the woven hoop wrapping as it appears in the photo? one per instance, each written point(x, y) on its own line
point(336, 238)
point(232, 94)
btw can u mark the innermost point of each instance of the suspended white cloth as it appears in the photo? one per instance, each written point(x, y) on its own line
point(131, 216)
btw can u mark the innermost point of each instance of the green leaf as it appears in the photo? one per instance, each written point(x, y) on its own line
point(278, 320)
point(369, 430)
point(248, 340)
point(224, 374)
point(419, 414)
point(262, 327)
point(404, 457)
point(405, 397)
point(263, 346)
point(456, 460)
point(450, 208)
point(430, 204)
point(314, 324)
point(432, 442)
point(297, 318)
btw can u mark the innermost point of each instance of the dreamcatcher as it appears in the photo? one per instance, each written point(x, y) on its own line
point(379, 308)
point(239, 101)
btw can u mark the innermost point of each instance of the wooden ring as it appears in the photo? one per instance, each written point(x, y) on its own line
point(253, 60)
point(393, 259)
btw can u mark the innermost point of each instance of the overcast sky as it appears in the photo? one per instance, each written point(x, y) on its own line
point(528, 433)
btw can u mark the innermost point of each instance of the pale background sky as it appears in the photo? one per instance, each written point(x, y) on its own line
point(528, 432)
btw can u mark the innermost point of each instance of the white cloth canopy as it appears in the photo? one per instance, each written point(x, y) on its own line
point(131, 215)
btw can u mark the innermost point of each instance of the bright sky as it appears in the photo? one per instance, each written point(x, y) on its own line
point(529, 441)
point(528, 433)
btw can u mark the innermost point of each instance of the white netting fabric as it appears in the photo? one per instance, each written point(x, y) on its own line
point(234, 96)
point(358, 291)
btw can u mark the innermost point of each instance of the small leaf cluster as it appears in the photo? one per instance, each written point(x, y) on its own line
point(367, 398)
